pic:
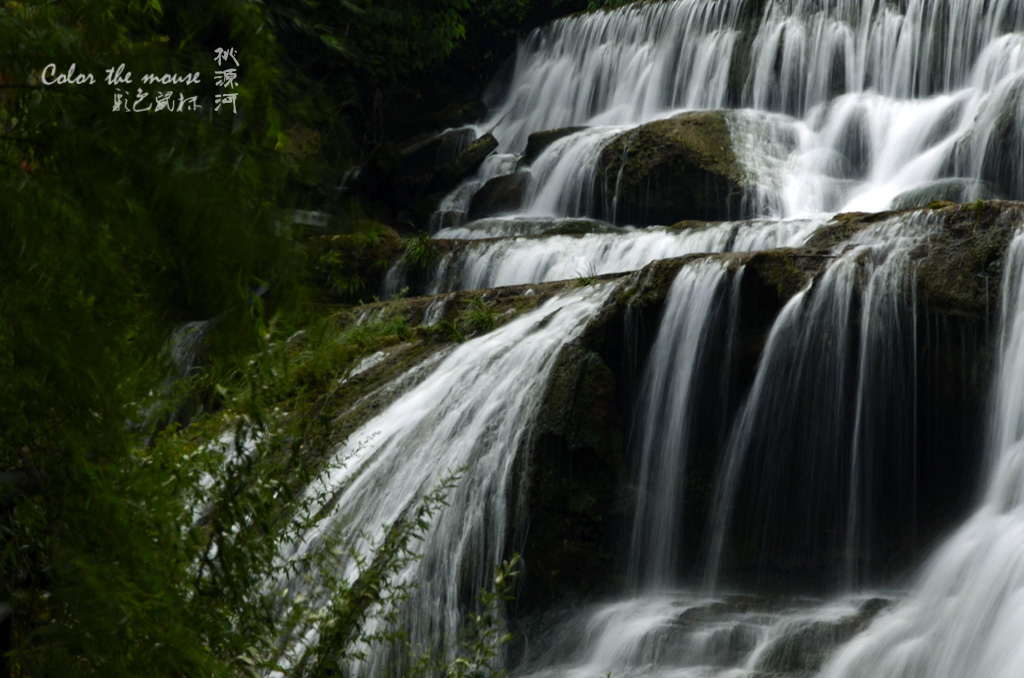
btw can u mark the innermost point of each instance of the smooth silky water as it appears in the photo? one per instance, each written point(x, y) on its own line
point(833, 105)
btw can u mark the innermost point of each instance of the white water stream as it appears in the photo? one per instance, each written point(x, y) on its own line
point(965, 616)
point(471, 414)
point(834, 105)
point(884, 104)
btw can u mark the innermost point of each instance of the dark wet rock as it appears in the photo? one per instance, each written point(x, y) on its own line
point(960, 270)
point(670, 170)
point(960, 265)
point(464, 164)
point(538, 141)
point(423, 156)
point(378, 171)
point(576, 472)
point(577, 500)
point(499, 195)
point(993, 153)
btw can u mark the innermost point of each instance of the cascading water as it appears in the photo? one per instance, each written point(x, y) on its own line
point(619, 68)
point(811, 422)
point(889, 104)
point(525, 260)
point(834, 105)
point(454, 207)
point(965, 617)
point(699, 295)
point(473, 412)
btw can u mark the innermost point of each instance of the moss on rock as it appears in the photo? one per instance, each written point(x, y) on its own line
point(576, 472)
point(499, 195)
point(960, 269)
point(538, 141)
point(669, 170)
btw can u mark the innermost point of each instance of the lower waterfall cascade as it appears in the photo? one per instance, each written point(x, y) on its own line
point(781, 437)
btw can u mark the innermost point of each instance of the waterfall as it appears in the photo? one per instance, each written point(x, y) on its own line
point(822, 475)
point(452, 211)
point(472, 412)
point(890, 104)
point(619, 68)
point(666, 408)
point(524, 260)
point(964, 618)
point(820, 404)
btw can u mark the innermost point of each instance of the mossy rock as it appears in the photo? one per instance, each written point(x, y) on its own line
point(805, 647)
point(464, 164)
point(681, 168)
point(944, 190)
point(576, 472)
point(960, 269)
point(538, 141)
point(499, 195)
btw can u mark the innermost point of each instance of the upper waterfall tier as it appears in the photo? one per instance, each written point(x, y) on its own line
point(879, 104)
point(635, 65)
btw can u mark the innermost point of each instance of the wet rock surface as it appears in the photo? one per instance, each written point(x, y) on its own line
point(576, 467)
point(669, 170)
point(538, 141)
point(499, 195)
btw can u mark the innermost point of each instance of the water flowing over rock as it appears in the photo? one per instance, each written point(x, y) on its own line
point(870, 102)
point(683, 347)
point(443, 425)
point(964, 617)
point(675, 169)
point(501, 194)
point(758, 333)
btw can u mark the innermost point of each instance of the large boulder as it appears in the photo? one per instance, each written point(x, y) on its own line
point(669, 170)
point(464, 164)
point(538, 141)
point(499, 195)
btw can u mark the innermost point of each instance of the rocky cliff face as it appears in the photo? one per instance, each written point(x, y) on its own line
point(575, 471)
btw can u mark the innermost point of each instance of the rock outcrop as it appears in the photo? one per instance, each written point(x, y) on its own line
point(574, 473)
point(538, 141)
point(499, 195)
point(670, 170)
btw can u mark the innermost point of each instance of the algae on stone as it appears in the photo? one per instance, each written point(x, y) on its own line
point(671, 170)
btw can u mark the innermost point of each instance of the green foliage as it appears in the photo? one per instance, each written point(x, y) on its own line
point(118, 227)
point(978, 207)
point(446, 330)
point(607, 4)
point(421, 252)
point(478, 316)
point(353, 265)
point(483, 635)
point(378, 41)
point(588, 277)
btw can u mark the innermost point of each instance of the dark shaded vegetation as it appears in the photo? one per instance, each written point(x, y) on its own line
point(117, 228)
